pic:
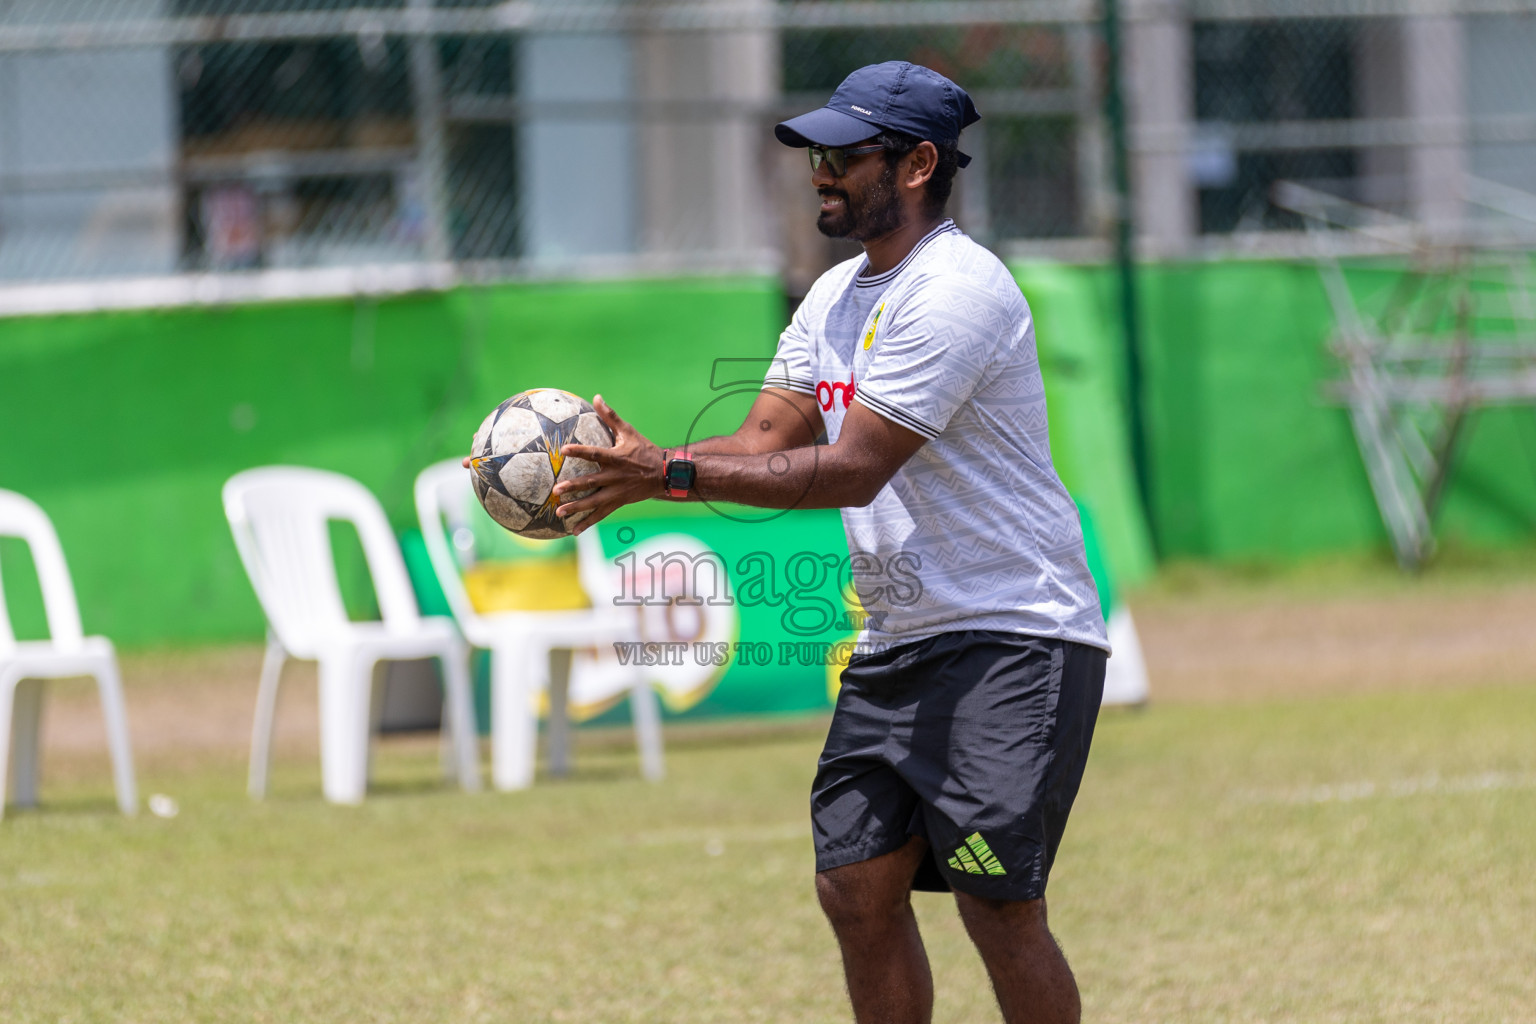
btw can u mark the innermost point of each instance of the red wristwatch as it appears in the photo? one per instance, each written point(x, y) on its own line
point(678, 473)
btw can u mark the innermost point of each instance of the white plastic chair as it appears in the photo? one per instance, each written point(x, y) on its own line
point(24, 665)
point(279, 516)
point(521, 643)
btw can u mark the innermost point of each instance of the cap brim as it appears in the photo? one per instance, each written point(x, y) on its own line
point(829, 127)
point(825, 127)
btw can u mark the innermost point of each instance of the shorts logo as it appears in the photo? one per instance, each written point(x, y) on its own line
point(975, 857)
point(869, 335)
point(828, 392)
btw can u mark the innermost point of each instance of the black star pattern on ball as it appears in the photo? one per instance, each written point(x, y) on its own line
point(503, 407)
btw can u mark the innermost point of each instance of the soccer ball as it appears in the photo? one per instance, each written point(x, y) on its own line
point(516, 460)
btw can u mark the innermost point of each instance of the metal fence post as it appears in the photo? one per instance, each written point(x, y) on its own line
point(431, 143)
point(1125, 261)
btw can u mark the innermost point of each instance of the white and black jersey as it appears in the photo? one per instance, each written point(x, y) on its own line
point(976, 530)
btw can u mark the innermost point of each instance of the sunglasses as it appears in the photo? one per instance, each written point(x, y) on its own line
point(837, 157)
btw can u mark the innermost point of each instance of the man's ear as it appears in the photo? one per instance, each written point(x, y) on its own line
point(921, 163)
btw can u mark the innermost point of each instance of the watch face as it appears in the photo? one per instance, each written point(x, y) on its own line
point(680, 473)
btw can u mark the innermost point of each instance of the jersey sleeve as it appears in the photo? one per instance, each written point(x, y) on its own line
point(791, 366)
point(940, 344)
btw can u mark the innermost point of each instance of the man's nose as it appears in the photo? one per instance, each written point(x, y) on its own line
point(823, 175)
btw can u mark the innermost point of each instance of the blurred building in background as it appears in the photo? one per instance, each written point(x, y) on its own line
point(167, 137)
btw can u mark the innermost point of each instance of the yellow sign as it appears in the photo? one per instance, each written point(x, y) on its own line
point(545, 586)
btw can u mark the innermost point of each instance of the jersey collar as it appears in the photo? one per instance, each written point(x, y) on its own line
point(879, 280)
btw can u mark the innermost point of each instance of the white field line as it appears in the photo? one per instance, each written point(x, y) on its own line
point(1432, 784)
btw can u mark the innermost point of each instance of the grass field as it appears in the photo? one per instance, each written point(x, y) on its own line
point(1338, 856)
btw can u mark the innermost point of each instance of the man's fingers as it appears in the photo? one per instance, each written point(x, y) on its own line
point(615, 422)
point(590, 503)
point(465, 463)
point(591, 453)
point(590, 481)
point(595, 517)
point(570, 508)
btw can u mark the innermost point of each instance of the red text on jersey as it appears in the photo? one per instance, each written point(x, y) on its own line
point(828, 392)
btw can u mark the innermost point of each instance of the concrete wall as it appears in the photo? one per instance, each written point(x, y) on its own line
point(88, 147)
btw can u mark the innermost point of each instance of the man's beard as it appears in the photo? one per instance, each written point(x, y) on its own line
point(877, 212)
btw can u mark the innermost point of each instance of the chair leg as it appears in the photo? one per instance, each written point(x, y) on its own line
point(459, 719)
point(647, 717)
point(266, 712)
point(345, 686)
point(375, 696)
point(110, 684)
point(559, 713)
point(26, 741)
point(7, 704)
point(514, 721)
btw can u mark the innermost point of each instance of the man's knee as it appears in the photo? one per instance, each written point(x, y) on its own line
point(869, 893)
point(1020, 916)
point(850, 901)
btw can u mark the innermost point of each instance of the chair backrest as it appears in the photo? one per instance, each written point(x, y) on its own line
point(21, 518)
point(442, 495)
point(280, 518)
point(599, 576)
point(444, 500)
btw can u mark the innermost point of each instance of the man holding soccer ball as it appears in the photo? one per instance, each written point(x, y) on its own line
point(963, 725)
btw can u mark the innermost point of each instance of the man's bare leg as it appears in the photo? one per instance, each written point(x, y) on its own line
point(870, 907)
point(1030, 975)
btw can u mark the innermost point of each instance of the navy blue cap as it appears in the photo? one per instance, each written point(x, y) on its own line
point(903, 97)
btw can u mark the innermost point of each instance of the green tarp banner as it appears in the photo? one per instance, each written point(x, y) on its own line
point(124, 426)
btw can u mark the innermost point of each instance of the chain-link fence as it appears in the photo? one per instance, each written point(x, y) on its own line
point(161, 137)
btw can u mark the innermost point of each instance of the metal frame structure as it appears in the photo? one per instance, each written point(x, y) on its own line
point(1454, 333)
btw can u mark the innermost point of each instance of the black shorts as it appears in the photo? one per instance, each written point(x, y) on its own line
point(975, 741)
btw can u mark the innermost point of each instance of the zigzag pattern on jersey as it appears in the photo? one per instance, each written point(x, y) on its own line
point(969, 329)
point(1012, 454)
point(895, 514)
point(964, 596)
point(974, 550)
point(974, 586)
point(1013, 384)
point(987, 515)
point(896, 413)
point(1000, 479)
point(982, 315)
point(930, 504)
point(844, 320)
point(977, 554)
point(961, 342)
point(993, 502)
point(939, 537)
point(979, 317)
point(975, 558)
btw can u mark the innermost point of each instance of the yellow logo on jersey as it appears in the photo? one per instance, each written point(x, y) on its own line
point(869, 336)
